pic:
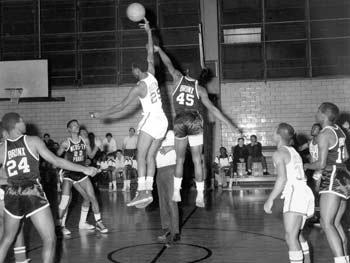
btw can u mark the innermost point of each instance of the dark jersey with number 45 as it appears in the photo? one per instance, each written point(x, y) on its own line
point(21, 165)
point(185, 96)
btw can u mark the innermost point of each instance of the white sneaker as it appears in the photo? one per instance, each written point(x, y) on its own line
point(65, 231)
point(200, 200)
point(176, 196)
point(86, 226)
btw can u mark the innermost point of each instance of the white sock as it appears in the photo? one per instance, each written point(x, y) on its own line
point(110, 184)
point(83, 214)
point(114, 183)
point(347, 258)
point(177, 183)
point(305, 247)
point(200, 187)
point(141, 183)
point(20, 254)
point(149, 183)
point(127, 183)
point(97, 217)
point(296, 256)
point(340, 260)
point(64, 218)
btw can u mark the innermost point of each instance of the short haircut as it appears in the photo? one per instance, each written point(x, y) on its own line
point(46, 134)
point(71, 121)
point(132, 129)
point(317, 125)
point(286, 131)
point(254, 136)
point(109, 134)
point(241, 138)
point(9, 120)
point(119, 151)
point(330, 109)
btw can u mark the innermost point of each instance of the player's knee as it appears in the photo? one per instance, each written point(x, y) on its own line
point(64, 202)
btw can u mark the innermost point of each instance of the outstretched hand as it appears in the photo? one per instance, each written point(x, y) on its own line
point(145, 25)
point(268, 206)
point(91, 171)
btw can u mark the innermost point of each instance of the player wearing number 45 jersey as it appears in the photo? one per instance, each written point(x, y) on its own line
point(152, 127)
point(24, 196)
point(335, 185)
point(188, 97)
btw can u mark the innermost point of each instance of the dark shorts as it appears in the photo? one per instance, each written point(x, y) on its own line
point(336, 180)
point(25, 201)
point(74, 177)
point(188, 123)
point(130, 152)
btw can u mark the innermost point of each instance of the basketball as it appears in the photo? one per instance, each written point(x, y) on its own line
point(135, 12)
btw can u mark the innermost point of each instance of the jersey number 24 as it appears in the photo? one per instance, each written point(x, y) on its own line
point(12, 168)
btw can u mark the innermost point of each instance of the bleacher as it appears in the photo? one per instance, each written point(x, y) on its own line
point(257, 171)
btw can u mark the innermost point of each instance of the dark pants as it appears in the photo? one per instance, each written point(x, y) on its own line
point(169, 213)
point(261, 159)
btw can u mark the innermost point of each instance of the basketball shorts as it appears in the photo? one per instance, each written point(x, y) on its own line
point(154, 124)
point(298, 198)
point(130, 153)
point(74, 177)
point(336, 180)
point(24, 201)
point(189, 124)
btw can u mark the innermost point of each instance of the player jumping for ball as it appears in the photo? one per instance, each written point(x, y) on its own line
point(152, 127)
point(188, 97)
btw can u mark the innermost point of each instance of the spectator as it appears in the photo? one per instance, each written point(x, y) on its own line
point(49, 143)
point(255, 155)
point(346, 129)
point(240, 155)
point(222, 166)
point(130, 144)
point(109, 144)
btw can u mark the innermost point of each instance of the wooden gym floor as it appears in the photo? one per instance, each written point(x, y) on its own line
point(232, 228)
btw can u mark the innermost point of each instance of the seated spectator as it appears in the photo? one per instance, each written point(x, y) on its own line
point(222, 165)
point(130, 144)
point(130, 171)
point(49, 142)
point(255, 155)
point(109, 144)
point(240, 155)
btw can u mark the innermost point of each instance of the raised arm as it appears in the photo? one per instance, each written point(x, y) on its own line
point(63, 147)
point(176, 75)
point(136, 91)
point(150, 51)
point(203, 94)
point(280, 163)
point(40, 148)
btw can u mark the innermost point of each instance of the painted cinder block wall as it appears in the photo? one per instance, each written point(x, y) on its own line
point(257, 106)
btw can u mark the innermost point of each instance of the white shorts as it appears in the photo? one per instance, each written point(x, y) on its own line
point(154, 124)
point(193, 140)
point(298, 198)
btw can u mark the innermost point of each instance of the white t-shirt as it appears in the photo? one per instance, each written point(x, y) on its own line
point(130, 142)
point(170, 157)
point(223, 161)
point(111, 145)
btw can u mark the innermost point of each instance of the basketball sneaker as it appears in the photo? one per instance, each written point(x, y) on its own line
point(163, 237)
point(176, 196)
point(65, 231)
point(101, 227)
point(86, 226)
point(147, 202)
point(139, 198)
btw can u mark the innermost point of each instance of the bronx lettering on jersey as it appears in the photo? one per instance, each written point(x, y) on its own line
point(15, 153)
point(187, 89)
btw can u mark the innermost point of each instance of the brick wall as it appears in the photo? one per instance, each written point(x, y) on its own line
point(259, 107)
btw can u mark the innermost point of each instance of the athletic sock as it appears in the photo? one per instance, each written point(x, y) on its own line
point(149, 183)
point(347, 258)
point(296, 256)
point(200, 187)
point(83, 214)
point(114, 183)
point(177, 183)
point(306, 251)
point(20, 254)
point(141, 183)
point(97, 217)
point(64, 218)
point(340, 260)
